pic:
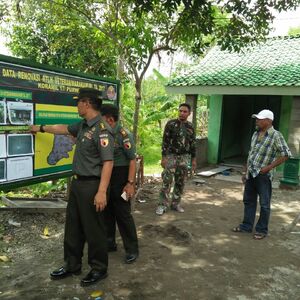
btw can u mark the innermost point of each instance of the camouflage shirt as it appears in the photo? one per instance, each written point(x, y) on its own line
point(179, 138)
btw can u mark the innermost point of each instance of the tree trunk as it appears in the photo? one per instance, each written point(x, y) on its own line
point(138, 98)
point(120, 68)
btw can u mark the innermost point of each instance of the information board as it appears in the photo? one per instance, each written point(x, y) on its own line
point(31, 93)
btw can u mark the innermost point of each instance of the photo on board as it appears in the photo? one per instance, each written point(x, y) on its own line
point(19, 144)
point(2, 111)
point(20, 113)
point(19, 167)
point(2, 170)
point(2, 145)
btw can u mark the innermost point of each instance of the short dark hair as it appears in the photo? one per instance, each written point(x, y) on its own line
point(186, 105)
point(110, 110)
point(95, 103)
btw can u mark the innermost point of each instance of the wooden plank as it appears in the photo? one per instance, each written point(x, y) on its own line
point(34, 199)
point(198, 181)
point(8, 202)
point(213, 171)
point(34, 203)
point(33, 209)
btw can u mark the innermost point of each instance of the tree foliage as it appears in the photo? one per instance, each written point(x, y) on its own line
point(60, 39)
point(3, 10)
point(136, 30)
point(156, 108)
point(231, 23)
point(293, 31)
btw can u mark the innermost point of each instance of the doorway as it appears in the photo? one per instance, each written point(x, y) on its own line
point(238, 126)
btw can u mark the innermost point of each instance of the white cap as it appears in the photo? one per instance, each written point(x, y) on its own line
point(264, 114)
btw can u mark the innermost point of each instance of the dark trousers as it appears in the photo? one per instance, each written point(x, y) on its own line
point(119, 211)
point(259, 186)
point(84, 224)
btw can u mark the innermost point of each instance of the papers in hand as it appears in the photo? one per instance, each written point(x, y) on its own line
point(124, 196)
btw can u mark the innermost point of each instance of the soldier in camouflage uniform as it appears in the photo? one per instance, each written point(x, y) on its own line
point(178, 150)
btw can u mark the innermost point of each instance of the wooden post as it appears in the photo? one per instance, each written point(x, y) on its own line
point(139, 179)
point(142, 170)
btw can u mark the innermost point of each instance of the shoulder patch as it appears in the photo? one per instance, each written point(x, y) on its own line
point(102, 126)
point(127, 144)
point(123, 132)
point(126, 140)
point(104, 142)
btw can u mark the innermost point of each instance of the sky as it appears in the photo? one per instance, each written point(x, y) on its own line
point(282, 23)
point(285, 20)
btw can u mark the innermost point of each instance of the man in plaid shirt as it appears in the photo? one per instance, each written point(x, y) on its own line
point(268, 150)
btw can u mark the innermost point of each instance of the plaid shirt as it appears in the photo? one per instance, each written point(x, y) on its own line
point(264, 151)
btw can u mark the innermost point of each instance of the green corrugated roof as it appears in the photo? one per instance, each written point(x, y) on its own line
point(273, 63)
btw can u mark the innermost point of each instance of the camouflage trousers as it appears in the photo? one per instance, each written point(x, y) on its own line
point(177, 167)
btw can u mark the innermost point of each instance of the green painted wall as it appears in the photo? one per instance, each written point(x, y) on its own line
point(214, 127)
point(284, 122)
point(285, 115)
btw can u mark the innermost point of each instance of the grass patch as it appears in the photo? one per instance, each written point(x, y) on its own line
point(150, 169)
point(151, 154)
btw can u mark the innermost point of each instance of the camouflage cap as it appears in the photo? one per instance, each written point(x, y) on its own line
point(90, 93)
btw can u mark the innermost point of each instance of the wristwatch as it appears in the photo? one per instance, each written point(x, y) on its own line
point(42, 128)
point(130, 182)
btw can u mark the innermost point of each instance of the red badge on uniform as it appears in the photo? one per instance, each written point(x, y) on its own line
point(127, 145)
point(104, 142)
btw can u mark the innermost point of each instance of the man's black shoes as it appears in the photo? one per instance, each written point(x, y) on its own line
point(112, 248)
point(93, 277)
point(131, 257)
point(63, 273)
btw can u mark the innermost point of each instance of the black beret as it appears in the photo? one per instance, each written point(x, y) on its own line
point(89, 93)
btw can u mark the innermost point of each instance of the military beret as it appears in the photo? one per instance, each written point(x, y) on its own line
point(89, 93)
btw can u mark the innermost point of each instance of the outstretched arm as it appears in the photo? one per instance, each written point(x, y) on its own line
point(55, 129)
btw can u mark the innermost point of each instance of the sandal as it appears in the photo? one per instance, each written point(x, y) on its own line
point(238, 229)
point(259, 236)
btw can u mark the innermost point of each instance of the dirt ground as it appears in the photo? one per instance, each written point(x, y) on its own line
point(192, 256)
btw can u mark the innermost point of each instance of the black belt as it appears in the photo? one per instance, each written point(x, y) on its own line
point(79, 177)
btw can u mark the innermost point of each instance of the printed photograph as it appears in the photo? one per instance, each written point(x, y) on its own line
point(2, 112)
point(20, 113)
point(2, 170)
